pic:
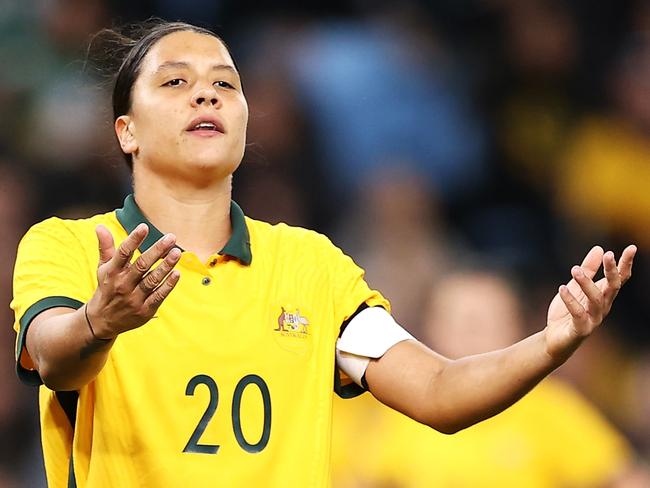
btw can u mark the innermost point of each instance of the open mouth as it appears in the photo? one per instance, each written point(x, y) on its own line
point(206, 126)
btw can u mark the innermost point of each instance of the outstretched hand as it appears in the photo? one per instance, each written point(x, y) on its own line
point(582, 304)
point(129, 293)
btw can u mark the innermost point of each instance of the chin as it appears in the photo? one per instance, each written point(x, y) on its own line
point(209, 165)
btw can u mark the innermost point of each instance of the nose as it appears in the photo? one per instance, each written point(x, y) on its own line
point(205, 96)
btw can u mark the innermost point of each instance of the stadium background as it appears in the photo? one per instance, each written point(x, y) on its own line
point(422, 136)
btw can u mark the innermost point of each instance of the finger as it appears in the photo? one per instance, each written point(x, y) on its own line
point(591, 263)
point(106, 244)
point(595, 299)
point(153, 279)
point(153, 301)
point(574, 307)
point(625, 263)
point(613, 281)
point(128, 246)
point(147, 259)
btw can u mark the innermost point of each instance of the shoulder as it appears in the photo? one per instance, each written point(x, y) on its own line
point(308, 252)
point(75, 233)
point(288, 238)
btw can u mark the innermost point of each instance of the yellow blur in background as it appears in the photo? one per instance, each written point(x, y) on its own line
point(551, 438)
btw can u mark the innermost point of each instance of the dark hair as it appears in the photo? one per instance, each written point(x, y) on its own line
point(118, 54)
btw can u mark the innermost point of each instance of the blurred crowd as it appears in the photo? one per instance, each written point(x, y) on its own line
point(466, 153)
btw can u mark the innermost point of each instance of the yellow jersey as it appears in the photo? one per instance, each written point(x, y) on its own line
point(230, 384)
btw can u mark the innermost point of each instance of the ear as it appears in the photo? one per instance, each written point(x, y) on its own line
point(124, 129)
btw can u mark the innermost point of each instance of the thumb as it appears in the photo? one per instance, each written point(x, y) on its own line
point(106, 244)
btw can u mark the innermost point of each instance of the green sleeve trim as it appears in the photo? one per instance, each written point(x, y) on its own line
point(352, 390)
point(346, 391)
point(27, 376)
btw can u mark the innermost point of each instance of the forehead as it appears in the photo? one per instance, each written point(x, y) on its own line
point(186, 46)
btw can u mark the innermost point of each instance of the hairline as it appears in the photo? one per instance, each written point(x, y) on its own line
point(137, 55)
point(138, 69)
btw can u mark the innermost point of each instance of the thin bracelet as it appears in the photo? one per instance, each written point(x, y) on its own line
point(91, 327)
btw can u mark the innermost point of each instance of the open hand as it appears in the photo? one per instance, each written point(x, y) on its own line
point(129, 293)
point(581, 305)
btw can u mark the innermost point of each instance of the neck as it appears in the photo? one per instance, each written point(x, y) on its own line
point(198, 216)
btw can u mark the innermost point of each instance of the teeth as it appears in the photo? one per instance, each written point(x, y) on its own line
point(205, 125)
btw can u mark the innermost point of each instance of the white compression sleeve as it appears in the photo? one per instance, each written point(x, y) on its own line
point(371, 333)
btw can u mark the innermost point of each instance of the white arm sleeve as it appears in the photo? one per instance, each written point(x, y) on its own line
point(371, 333)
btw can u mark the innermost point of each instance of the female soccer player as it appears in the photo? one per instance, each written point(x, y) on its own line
point(205, 348)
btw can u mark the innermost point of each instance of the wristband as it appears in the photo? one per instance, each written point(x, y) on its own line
point(91, 327)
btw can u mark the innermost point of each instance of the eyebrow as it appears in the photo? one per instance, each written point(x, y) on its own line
point(182, 64)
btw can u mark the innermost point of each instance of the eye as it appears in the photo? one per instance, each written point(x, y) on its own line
point(223, 84)
point(174, 82)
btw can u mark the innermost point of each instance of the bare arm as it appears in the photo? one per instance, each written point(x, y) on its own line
point(63, 350)
point(69, 348)
point(450, 395)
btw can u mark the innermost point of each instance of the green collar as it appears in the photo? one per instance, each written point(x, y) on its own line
point(238, 246)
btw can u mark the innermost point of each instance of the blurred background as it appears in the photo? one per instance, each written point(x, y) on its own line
point(466, 153)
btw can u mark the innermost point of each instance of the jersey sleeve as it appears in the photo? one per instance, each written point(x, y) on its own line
point(350, 291)
point(351, 294)
point(52, 270)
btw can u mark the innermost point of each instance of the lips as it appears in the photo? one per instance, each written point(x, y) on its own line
point(206, 124)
